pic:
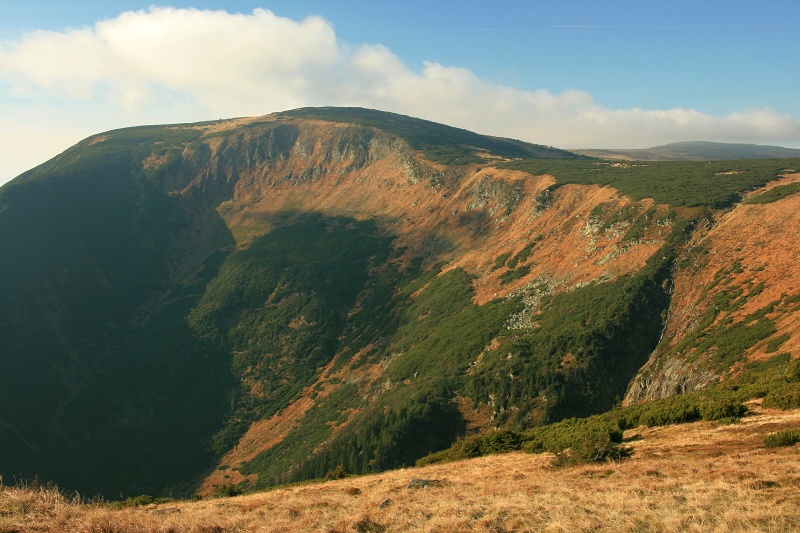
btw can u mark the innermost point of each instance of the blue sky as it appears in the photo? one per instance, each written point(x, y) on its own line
point(570, 73)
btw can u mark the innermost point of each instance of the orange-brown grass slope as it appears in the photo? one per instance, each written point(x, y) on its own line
point(695, 477)
point(465, 215)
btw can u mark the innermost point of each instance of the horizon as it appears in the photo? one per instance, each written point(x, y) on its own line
point(573, 75)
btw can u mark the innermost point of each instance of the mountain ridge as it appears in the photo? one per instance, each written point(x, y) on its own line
point(329, 290)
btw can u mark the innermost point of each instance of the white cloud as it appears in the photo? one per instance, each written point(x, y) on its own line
point(173, 65)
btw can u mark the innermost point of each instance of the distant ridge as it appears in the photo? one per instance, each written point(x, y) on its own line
point(695, 151)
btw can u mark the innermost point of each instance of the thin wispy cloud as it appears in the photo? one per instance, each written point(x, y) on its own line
point(175, 65)
point(605, 27)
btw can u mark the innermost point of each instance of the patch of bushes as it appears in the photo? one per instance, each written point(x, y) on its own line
point(226, 491)
point(599, 437)
point(573, 441)
point(790, 437)
point(786, 397)
point(595, 447)
point(500, 262)
point(513, 275)
point(586, 437)
point(337, 473)
point(677, 183)
point(722, 410)
point(673, 410)
point(639, 226)
point(521, 256)
point(775, 194)
point(774, 344)
point(710, 404)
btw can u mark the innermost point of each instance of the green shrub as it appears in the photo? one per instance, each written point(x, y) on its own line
point(790, 437)
point(774, 194)
point(592, 448)
point(442, 456)
point(500, 262)
point(672, 410)
point(582, 435)
point(577, 440)
point(722, 409)
point(774, 344)
point(786, 397)
point(500, 441)
point(226, 491)
point(513, 275)
point(521, 256)
point(337, 473)
point(677, 183)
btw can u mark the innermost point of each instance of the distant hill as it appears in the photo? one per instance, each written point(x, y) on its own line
point(695, 151)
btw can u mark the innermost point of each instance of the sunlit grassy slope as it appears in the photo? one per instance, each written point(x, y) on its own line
point(695, 477)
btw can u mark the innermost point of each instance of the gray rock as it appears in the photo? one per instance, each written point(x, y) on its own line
point(419, 483)
point(386, 503)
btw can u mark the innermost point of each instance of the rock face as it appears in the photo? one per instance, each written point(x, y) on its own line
point(269, 299)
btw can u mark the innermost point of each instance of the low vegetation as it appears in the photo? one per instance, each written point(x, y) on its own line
point(716, 184)
point(790, 437)
point(775, 194)
point(599, 437)
point(785, 397)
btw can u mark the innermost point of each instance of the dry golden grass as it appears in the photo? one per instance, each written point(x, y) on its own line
point(695, 477)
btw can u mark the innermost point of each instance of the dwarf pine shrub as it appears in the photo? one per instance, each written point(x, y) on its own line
point(789, 437)
point(786, 397)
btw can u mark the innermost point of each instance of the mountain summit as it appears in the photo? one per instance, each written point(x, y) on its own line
point(263, 300)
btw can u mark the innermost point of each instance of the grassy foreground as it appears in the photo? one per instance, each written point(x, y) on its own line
point(702, 476)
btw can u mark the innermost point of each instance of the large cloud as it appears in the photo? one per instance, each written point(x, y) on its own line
point(167, 65)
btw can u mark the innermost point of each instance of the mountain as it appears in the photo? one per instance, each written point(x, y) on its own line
point(264, 300)
point(695, 151)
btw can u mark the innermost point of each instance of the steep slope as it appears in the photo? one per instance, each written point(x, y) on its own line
point(268, 299)
point(99, 267)
point(736, 298)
